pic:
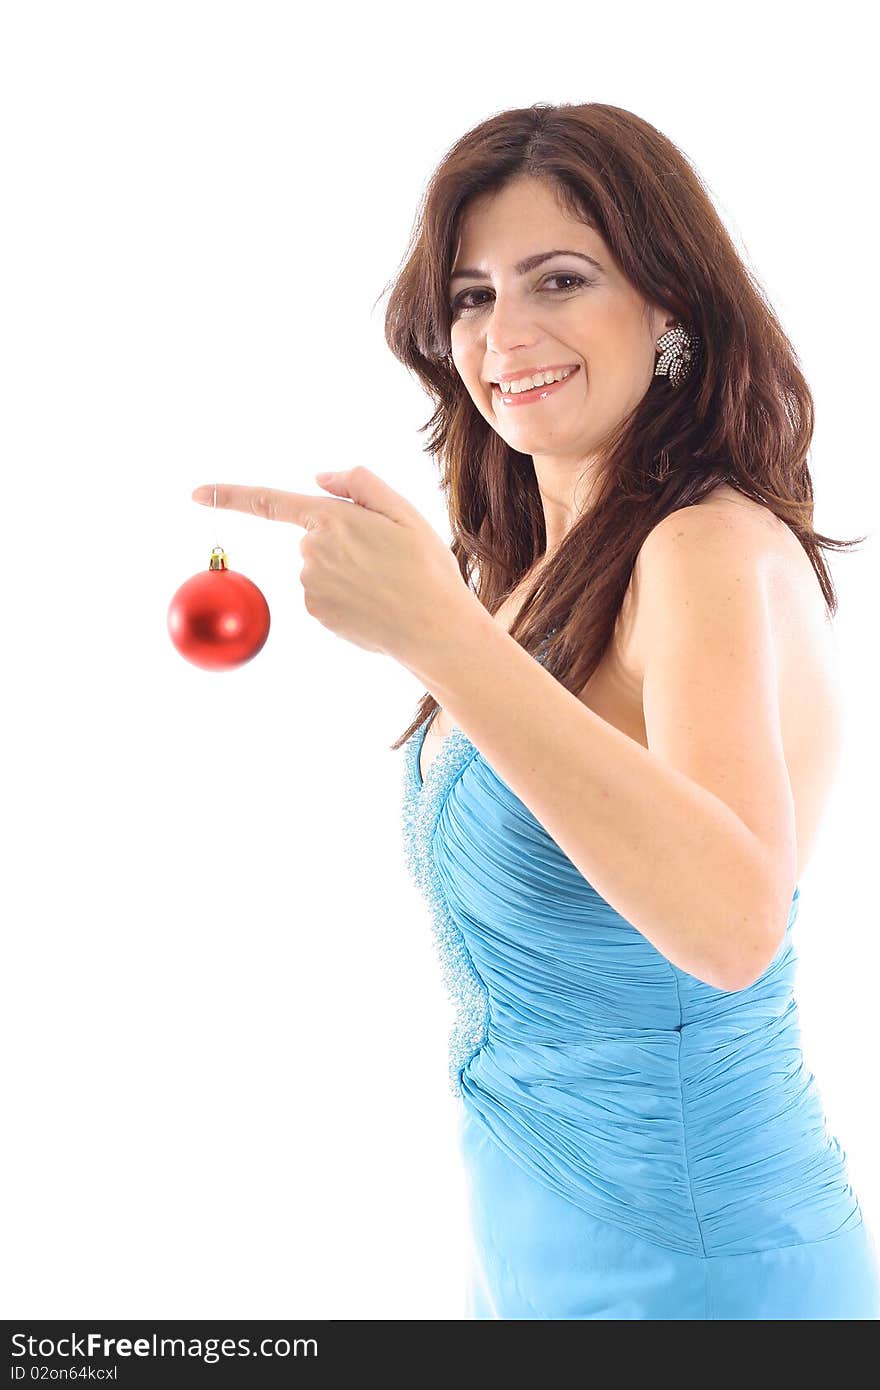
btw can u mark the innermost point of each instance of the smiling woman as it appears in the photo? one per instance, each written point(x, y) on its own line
point(610, 836)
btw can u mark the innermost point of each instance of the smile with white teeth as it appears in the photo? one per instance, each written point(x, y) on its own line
point(527, 383)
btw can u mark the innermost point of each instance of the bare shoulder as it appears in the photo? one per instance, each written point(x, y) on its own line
point(727, 517)
point(729, 524)
point(724, 514)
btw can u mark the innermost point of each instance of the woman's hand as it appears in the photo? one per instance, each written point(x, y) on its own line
point(375, 573)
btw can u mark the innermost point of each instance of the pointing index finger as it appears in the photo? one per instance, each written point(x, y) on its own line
point(275, 505)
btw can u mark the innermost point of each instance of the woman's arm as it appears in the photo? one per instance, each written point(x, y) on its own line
point(693, 839)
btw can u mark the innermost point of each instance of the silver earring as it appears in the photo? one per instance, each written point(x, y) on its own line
point(679, 351)
point(659, 473)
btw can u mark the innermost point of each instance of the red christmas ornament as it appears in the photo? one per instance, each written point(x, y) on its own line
point(218, 619)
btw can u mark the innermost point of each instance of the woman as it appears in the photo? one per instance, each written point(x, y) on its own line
point(614, 888)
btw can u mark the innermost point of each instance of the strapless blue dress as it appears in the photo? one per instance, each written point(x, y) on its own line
point(636, 1143)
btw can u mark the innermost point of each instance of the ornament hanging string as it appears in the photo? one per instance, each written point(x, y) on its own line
point(218, 548)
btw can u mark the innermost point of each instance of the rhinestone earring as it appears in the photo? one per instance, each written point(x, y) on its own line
point(679, 351)
point(659, 473)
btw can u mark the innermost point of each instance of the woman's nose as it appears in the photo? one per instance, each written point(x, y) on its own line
point(510, 326)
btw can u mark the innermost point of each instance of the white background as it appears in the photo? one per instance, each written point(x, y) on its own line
point(223, 1025)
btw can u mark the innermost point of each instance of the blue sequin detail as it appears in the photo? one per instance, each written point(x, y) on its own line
point(422, 805)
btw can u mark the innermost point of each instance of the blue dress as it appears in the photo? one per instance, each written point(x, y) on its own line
point(636, 1143)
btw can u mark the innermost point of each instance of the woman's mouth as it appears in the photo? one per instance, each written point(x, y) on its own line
point(535, 393)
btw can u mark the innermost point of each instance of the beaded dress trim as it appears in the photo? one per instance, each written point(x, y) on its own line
point(422, 805)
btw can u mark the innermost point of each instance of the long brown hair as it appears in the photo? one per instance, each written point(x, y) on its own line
point(744, 417)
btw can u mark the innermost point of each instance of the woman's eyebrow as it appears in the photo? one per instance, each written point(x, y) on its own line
point(523, 267)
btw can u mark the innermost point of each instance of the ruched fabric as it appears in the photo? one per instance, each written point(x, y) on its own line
point(637, 1143)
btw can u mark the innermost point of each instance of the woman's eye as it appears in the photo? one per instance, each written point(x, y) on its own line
point(461, 304)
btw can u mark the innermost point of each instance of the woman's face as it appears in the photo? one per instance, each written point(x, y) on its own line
point(508, 319)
